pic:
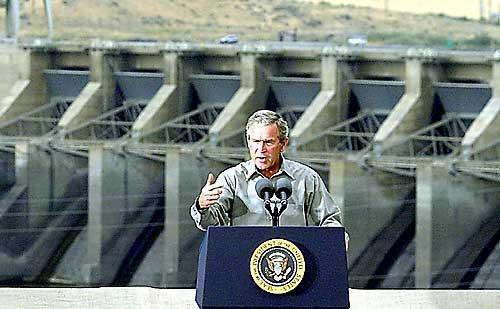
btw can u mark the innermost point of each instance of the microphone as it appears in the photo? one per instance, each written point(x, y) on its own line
point(283, 189)
point(265, 189)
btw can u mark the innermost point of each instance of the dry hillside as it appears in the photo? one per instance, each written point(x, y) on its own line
point(474, 9)
point(203, 20)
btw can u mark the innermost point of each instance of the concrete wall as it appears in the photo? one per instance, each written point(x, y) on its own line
point(124, 191)
point(7, 164)
point(484, 130)
point(250, 97)
point(47, 182)
point(382, 199)
point(413, 111)
point(185, 174)
point(14, 66)
point(452, 213)
point(330, 106)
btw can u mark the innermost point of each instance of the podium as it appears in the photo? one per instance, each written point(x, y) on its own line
point(272, 267)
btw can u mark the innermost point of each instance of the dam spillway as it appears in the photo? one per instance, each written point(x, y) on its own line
point(103, 148)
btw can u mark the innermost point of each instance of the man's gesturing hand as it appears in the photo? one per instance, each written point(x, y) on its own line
point(210, 193)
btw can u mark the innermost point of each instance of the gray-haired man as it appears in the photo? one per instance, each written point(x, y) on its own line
point(232, 199)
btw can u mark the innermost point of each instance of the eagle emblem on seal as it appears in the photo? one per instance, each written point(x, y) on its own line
point(277, 267)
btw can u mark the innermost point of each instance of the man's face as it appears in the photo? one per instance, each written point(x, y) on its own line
point(265, 148)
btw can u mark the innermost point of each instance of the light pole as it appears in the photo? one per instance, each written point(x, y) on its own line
point(13, 14)
point(48, 13)
point(12, 18)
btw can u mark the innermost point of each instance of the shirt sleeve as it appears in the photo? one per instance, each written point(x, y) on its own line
point(219, 213)
point(323, 209)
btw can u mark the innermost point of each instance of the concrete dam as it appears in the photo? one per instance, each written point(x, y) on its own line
point(104, 147)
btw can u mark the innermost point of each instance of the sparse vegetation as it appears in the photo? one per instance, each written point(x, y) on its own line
point(482, 40)
point(290, 8)
point(326, 4)
point(408, 38)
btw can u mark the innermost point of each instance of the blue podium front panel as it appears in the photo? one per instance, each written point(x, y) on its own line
point(225, 280)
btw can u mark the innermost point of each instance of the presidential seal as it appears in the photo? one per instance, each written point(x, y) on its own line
point(277, 266)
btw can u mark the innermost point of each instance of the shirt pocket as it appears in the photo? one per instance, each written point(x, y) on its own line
point(293, 215)
point(293, 210)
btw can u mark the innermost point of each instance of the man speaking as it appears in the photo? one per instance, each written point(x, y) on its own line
point(232, 199)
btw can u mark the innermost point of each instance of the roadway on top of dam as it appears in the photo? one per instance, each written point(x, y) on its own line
point(264, 47)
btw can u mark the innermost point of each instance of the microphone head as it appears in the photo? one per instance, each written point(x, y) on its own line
point(264, 187)
point(283, 185)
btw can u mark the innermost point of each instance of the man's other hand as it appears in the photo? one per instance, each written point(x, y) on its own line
point(210, 193)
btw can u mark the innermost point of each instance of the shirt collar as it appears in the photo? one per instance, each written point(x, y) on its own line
point(251, 170)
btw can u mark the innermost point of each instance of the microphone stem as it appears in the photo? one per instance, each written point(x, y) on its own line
point(284, 204)
point(276, 216)
point(276, 213)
